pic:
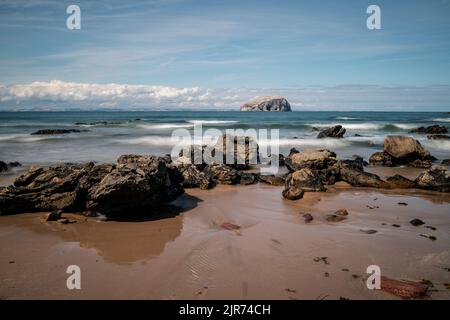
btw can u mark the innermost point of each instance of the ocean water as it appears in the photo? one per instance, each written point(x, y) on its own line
point(150, 132)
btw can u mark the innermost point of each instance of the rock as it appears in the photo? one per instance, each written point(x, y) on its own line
point(55, 131)
point(221, 173)
point(293, 193)
point(230, 226)
point(338, 216)
point(419, 164)
point(54, 215)
point(313, 159)
point(416, 222)
point(369, 231)
point(136, 183)
point(3, 166)
point(436, 178)
point(305, 179)
point(293, 151)
point(14, 164)
point(272, 180)
point(194, 178)
point(356, 163)
point(248, 178)
point(358, 178)
point(404, 289)
point(438, 137)
point(399, 182)
point(308, 218)
point(381, 159)
point(270, 103)
point(404, 149)
point(332, 132)
point(238, 151)
point(402, 203)
point(445, 162)
point(435, 129)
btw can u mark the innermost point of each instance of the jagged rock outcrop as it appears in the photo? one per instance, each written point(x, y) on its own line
point(193, 177)
point(332, 132)
point(223, 174)
point(305, 179)
point(313, 159)
point(135, 183)
point(269, 103)
point(437, 178)
point(399, 182)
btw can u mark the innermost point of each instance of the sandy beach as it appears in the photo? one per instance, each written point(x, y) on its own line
point(188, 255)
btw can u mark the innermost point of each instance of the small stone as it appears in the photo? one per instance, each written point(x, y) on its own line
point(67, 221)
point(431, 228)
point(416, 222)
point(369, 231)
point(402, 204)
point(308, 218)
point(54, 215)
point(323, 259)
point(396, 225)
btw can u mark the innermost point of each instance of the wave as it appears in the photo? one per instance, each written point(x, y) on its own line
point(369, 126)
point(165, 126)
point(441, 120)
point(25, 138)
point(213, 121)
point(347, 118)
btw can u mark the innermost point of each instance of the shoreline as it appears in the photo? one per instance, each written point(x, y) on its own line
point(271, 256)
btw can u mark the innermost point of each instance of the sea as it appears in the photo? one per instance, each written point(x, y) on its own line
point(106, 135)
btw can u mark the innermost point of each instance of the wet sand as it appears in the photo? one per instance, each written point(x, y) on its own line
point(190, 256)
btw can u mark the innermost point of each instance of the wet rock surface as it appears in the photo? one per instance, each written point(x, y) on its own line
point(332, 132)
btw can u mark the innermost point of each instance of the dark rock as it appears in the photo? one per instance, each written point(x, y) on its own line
point(436, 178)
point(267, 104)
point(308, 218)
point(194, 178)
point(435, 129)
point(369, 231)
point(416, 222)
point(248, 178)
point(446, 162)
point(305, 179)
point(293, 151)
point(14, 164)
point(67, 221)
point(272, 180)
point(221, 173)
point(399, 182)
point(358, 178)
point(419, 164)
point(3, 166)
point(243, 154)
point(136, 183)
point(396, 225)
point(313, 159)
point(438, 137)
point(338, 216)
point(55, 131)
point(381, 159)
point(54, 215)
point(402, 203)
point(293, 193)
point(332, 132)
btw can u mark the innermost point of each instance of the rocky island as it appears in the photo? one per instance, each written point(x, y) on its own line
point(269, 103)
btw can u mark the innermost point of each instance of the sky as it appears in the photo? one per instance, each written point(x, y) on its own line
point(171, 54)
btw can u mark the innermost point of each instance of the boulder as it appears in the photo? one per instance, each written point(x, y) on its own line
point(439, 137)
point(222, 174)
point(435, 129)
point(238, 151)
point(381, 159)
point(313, 159)
point(404, 149)
point(269, 103)
point(293, 193)
point(3, 166)
point(332, 132)
point(399, 182)
point(135, 183)
point(55, 131)
point(446, 162)
point(193, 177)
point(248, 178)
point(305, 179)
point(358, 178)
point(337, 216)
point(437, 178)
point(272, 180)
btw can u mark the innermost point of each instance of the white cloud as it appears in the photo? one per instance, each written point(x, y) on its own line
point(61, 95)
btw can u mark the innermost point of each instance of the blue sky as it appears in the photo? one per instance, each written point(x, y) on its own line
point(239, 48)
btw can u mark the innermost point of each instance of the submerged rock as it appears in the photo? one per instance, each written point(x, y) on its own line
point(55, 131)
point(332, 132)
point(439, 137)
point(269, 103)
point(435, 129)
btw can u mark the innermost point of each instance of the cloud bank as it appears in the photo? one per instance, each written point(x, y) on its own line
point(60, 95)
